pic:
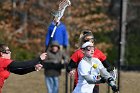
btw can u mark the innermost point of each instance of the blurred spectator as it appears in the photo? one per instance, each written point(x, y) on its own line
point(53, 66)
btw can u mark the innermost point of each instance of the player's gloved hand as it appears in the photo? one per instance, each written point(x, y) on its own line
point(111, 82)
point(102, 80)
point(114, 88)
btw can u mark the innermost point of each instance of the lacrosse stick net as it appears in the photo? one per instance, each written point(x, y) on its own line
point(114, 74)
point(62, 6)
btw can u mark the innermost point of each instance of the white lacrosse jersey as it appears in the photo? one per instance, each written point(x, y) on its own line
point(84, 68)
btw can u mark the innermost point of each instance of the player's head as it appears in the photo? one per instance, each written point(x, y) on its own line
point(5, 51)
point(85, 31)
point(88, 37)
point(85, 38)
point(88, 49)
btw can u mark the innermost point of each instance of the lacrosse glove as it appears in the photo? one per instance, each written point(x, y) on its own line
point(111, 82)
point(114, 88)
point(102, 80)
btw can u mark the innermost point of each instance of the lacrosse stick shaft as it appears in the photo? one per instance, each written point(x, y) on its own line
point(48, 44)
point(51, 38)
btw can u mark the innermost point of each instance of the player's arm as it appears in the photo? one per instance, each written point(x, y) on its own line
point(102, 57)
point(23, 67)
point(107, 65)
point(105, 74)
point(90, 79)
point(71, 65)
point(75, 58)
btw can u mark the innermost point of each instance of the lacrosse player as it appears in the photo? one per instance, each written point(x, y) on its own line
point(89, 69)
point(8, 65)
point(78, 55)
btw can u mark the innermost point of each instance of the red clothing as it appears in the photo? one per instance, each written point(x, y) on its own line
point(4, 73)
point(78, 55)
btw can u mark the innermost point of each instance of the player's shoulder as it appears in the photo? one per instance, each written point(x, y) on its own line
point(4, 62)
point(82, 61)
point(97, 50)
point(78, 50)
point(96, 60)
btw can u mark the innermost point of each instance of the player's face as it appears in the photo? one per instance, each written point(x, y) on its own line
point(6, 54)
point(89, 50)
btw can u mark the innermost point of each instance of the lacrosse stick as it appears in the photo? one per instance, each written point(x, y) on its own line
point(114, 74)
point(58, 16)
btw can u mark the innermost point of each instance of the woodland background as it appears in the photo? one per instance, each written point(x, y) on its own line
point(27, 33)
point(24, 28)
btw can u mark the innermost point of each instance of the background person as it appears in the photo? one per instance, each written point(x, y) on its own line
point(53, 66)
point(8, 65)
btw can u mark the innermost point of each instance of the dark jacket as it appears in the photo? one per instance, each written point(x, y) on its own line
point(53, 64)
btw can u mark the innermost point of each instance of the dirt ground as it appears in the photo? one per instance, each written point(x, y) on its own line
point(34, 83)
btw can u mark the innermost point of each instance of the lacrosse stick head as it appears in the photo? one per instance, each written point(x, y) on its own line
point(60, 12)
point(63, 4)
point(114, 73)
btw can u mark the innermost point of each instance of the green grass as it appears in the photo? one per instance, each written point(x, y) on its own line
point(34, 83)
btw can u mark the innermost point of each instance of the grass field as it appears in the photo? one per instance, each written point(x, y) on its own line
point(34, 83)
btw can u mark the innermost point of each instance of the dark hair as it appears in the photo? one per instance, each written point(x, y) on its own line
point(82, 39)
point(86, 31)
point(2, 47)
point(88, 34)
